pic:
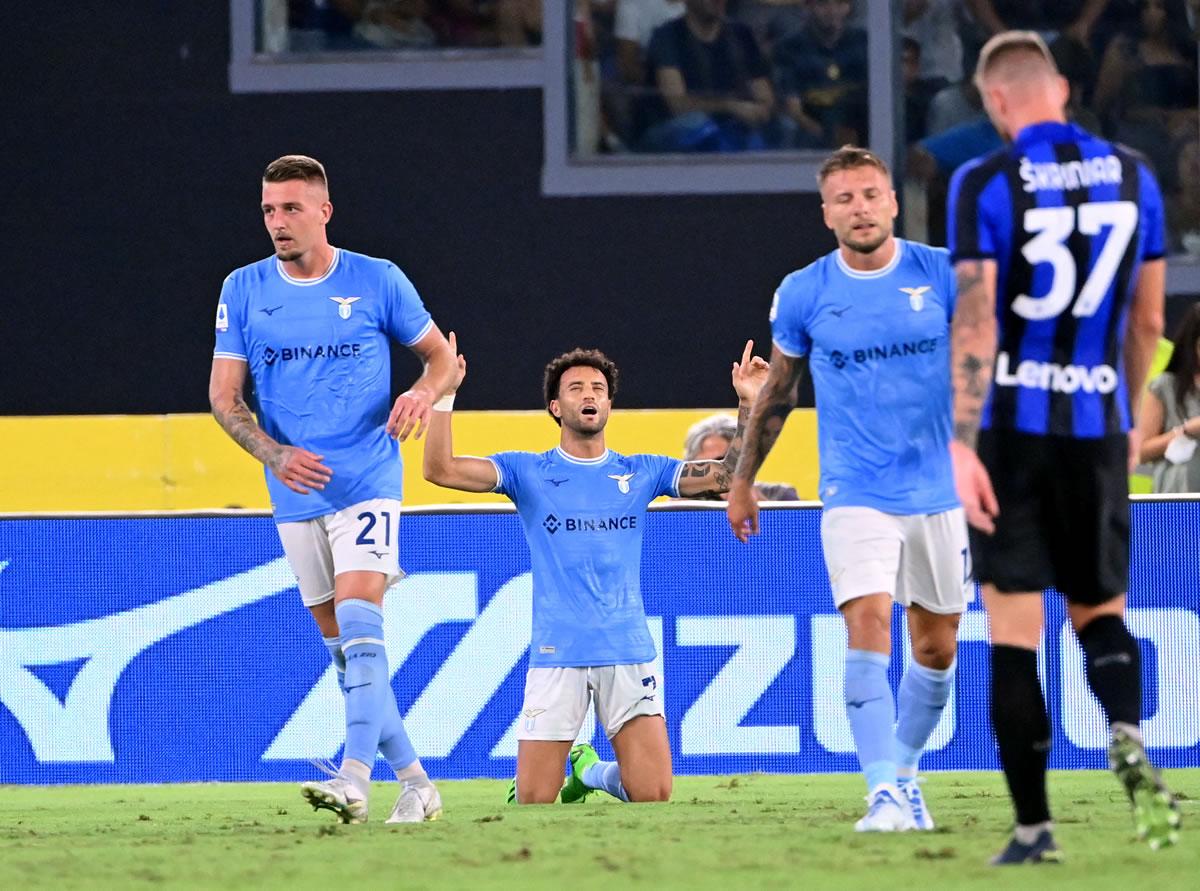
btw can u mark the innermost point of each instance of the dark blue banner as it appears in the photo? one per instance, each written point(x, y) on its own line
point(176, 649)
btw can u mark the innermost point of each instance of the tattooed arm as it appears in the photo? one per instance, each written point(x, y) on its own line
point(297, 469)
point(700, 479)
point(972, 345)
point(972, 355)
point(708, 478)
point(775, 402)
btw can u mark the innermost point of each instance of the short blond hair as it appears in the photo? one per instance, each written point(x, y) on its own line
point(1005, 48)
point(291, 167)
point(851, 157)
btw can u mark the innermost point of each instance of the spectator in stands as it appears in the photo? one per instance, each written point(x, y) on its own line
point(1169, 423)
point(822, 75)
point(1076, 63)
point(918, 92)
point(933, 25)
point(714, 90)
point(519, 22)
point(322, 24)
point(709, 439)
point(770, 20)
point(1147, 88)
point(1073, 18)
point(635, 22)
point(463, 23)
point(1183, 200)
point(395, 24)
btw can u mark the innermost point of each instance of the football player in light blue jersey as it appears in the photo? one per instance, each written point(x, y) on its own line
point(584, 510)
point(873, 318)
point(311, 326)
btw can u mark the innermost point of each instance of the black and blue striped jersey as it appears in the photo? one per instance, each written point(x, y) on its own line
point(1069, 218)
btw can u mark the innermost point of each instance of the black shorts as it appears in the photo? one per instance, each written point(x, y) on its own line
point(1064, 515)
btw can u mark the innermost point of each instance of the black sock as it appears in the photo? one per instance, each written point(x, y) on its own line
point(1114, 668)
point(1022, 730)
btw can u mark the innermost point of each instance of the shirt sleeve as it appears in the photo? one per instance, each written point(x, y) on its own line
point(1163, 386)
point(625, 26)
point(665, 471)
point(969, 232)
point(231, 343)
point(406, 318)
point(663, 51)
point(788, 329)
point(949, 282)
point(509, 473)
point(1154, 244)
point(756, 62)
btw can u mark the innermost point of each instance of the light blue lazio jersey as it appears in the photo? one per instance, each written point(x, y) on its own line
point(318, 354)
point(584, 520)
point(879, 349)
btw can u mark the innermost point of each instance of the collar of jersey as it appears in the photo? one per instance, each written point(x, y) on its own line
point(1049, 131)
point(855, 273)
point(573, 460)
point(306, 282)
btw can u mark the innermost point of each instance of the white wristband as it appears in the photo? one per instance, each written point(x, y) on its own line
point(446, 403)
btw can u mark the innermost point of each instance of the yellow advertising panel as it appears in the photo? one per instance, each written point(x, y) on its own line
point(186, 462)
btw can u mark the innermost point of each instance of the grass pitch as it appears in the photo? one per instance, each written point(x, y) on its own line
point(750, 831)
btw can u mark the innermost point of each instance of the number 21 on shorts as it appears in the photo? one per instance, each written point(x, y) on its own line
point(366, 536)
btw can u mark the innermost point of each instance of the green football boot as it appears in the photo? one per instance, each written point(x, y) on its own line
point(573, 790)
point(1155, 811)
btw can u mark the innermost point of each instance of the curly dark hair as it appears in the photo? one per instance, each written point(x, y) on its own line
point(1183, 363)
point(578, 357)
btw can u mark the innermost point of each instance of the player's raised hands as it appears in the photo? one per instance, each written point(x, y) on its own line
point(460, 366)
point(750, 373)
point(299, 470)
point(410, 414)
point(974, 488)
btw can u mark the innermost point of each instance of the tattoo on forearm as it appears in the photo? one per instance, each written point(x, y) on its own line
point(775, 402)
point(973, 349)
point(239, 423)
point(714, 475)
point(734, 452)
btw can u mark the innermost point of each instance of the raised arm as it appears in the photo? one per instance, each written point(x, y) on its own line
point(410, 413)
point(715, 477)
point(972, 356)
point(298, 469)
point(441, 466)
point(774, 403)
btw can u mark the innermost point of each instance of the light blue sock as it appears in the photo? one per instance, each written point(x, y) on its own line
point(334, 645)
point(872, 712)
point(923, 695)
point(605, 776)
point(368, 686)
point(394, 743)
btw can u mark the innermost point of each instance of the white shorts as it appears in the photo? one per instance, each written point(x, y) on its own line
point(360, 537)
point(922, 559)
point(556, 699)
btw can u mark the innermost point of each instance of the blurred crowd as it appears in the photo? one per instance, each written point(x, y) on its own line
point(1131, 64)
point(339, 25)
point(744, 75)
